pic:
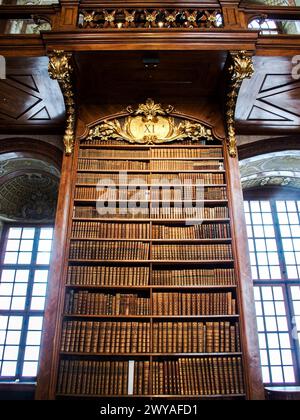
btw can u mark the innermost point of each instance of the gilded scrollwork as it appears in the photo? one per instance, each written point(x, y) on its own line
point(240, 68)
point(60, 69)
point(150, 123)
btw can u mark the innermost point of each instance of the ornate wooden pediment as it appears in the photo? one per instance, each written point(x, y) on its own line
point(150, 123)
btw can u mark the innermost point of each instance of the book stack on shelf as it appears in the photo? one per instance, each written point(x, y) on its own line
point(151, 299)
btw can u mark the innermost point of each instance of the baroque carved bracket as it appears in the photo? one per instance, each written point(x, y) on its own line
point(150, 123)
point(61, 69)
point(240, 68)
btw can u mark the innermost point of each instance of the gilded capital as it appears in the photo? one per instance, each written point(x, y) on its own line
point(61, 69)
point(240, 68)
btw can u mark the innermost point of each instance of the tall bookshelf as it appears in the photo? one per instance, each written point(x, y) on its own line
point(151, 307)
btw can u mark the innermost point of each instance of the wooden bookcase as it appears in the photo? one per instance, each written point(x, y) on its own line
point(171, 306)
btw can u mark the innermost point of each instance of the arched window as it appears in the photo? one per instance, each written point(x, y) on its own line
point(272, 209)
point(28, 194)
point(265, 26)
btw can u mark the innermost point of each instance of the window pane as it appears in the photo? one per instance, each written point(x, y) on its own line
point(35, 323)
point(23, 290)
point(7, 276)
point(274, 340)
point(43, 258)
point(295, 293)
point(14, 233)
point(9, 369)
point(26, 246)
point(11, 258)
point(30, 369)
point(41, 276)
point(46, 233)
point(290, 228)
point(28, 233)
point(32, 353)
point(264, 252)
point(12, 245)
point(45, 246)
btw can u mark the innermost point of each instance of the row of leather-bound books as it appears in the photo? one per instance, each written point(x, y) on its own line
point(188, 152)
point(105, 337)
point(199, 231)
point(140, 276)
point(109, 250)
point(120, 142)
point(185, 376)
point(143, 181)
point(196, 337)
point(192, 252)
point(85, 302)
point(136, 195)
point(134, 337)
point(77, 377)
point(154, 212)
point(198, 165)
point(199, 376)
point(136, 165)
point(143, 231)
point(110, 230)
point(183, 303)
point(158, 153)
point(194, 277)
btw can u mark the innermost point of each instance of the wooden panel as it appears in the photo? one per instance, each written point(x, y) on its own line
point(121, 75)
point(29, 97)
point(271, 99)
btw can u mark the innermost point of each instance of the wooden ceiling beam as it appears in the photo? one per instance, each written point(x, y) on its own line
point(22, 46)
point(111, 40)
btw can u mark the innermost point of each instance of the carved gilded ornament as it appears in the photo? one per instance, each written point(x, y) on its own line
point(60, 69)
point(150, 123)
point(240, 69)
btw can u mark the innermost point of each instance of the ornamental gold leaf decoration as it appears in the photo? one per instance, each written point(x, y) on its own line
point(241, 68)
point(150, 123)
point(60, 69)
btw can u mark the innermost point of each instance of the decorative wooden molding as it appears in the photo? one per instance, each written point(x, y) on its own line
point(240, 68)
point(61, 69)
point(150, 123)
point(157, 18)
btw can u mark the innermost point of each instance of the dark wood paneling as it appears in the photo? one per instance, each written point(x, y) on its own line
point(270, 101)
point(29, 97)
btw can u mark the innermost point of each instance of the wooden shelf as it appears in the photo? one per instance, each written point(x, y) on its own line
point(154, 287)
point(148, 159)
point(144, 355)
point(154, 317)
point(96, 200)
point(165, 221)
point(187, 262)
point(175, 397)
point(159, 241)
point(144, 186)
point(152, 146)
point(132, 171)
